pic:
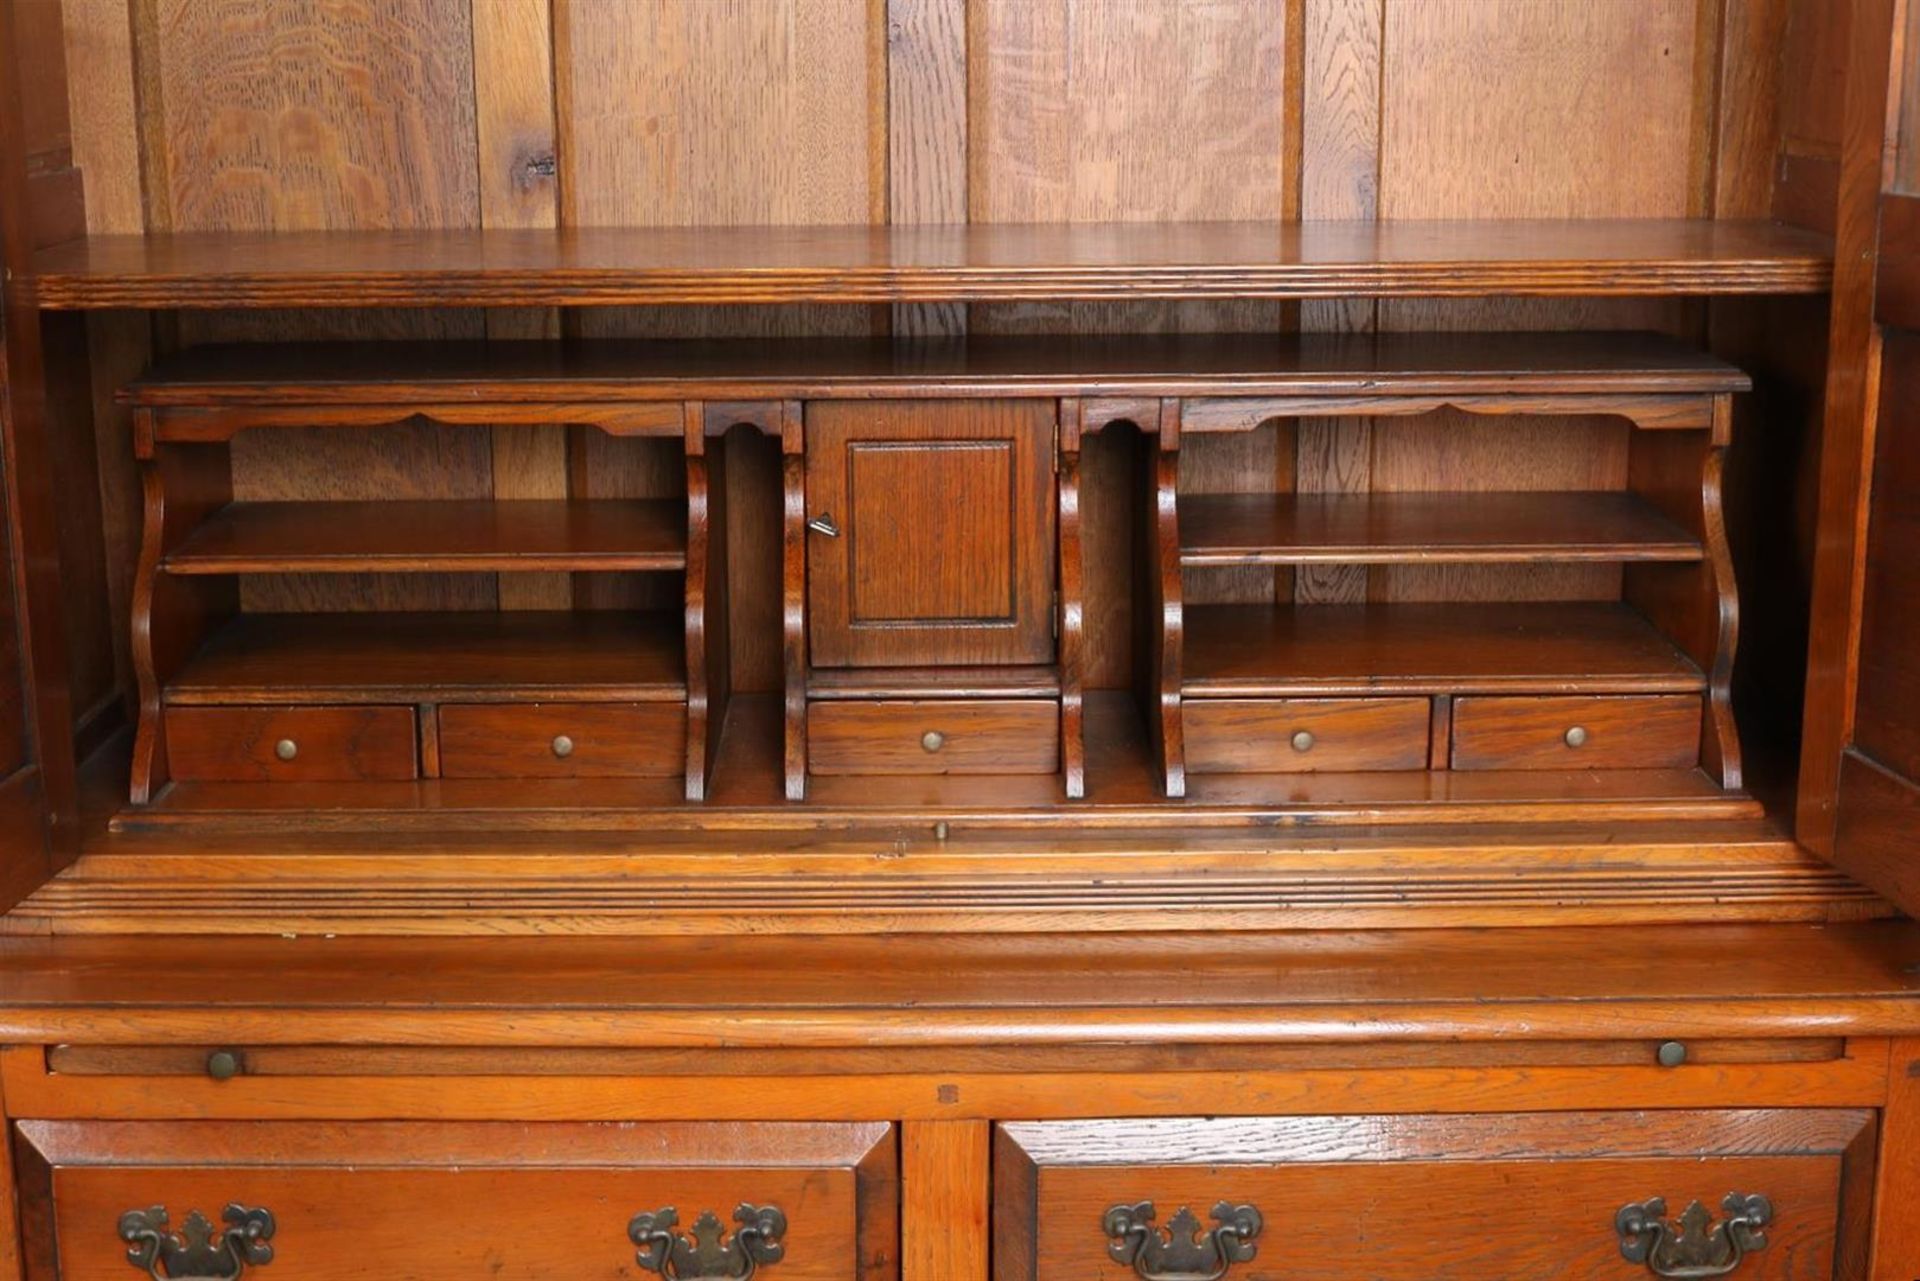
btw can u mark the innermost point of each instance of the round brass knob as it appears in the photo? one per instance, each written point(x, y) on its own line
point(1302, 741)
point(933, 740)
point(1671, 1053)
point(286, 749)
point(223, 1065)
point(1577, 736)
point(562, 746)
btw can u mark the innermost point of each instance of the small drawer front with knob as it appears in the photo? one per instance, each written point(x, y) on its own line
point(1655, 731)
point(1305, 735)
point(440, 1202)
point(292, 744)
point(562, 740)
point(1431, 1198)
point(934, 736)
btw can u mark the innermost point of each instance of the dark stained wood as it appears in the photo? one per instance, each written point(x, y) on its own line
point(973, 263)
point(1618, 732)
point(347, 1200)
point(951, 736)
point(292, 658)
point(1159, 621)
point(469, 535)
point(1258, 735)
point(393, 375)
point(945, 550)
point(709, 602)
point(1395, 1174)
point(934, 682)
point(241, 744)
point(603, 740)
point(1295, 529)
point(1545, 648)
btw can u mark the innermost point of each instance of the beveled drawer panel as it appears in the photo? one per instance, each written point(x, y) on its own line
point(1299, 735)
point(291, 744)
point(562, 740)
point(934, 736)
point(1656, 731)
point(452, 1202)
point(1428, 1198)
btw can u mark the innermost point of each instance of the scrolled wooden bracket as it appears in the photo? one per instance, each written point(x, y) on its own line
point(702, 1254)
point(1183, 1250)
point(1693, 1246)
point(195, 1251)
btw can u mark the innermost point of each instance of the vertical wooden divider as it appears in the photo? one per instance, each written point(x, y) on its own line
point(1157, 651)
point(945, 1174)
point(1071, 608)
point(793, 595)
point(708, 676)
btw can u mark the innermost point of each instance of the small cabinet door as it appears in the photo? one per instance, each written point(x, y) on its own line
point(931, 532)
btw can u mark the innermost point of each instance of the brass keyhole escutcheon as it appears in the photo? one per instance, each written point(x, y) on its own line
point(286, 749)
point(1303, 741)
point(933, 740)
point(1577, 736)
point(562, 746)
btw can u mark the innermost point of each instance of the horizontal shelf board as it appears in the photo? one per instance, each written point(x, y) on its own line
point(1321, 365)
point(457, 535)
point(980, 262)
point(502, 656)
point(1388, 529)
point(1542, 648)
point(933, 682)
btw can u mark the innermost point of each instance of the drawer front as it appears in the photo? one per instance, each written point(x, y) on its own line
point(1302, 735)
point(509, 1202)
point(562, 740)
point(1434, 1198)
point(934, 736)
point(291, 744)
point(1660, 731)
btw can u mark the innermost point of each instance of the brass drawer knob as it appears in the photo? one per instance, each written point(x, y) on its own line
point(223, 1065)
point(1302, 740)
point(562, 746)
point(701, 1253)
point(1671, 1053)
point(1693, 1245)
point(198, 1249)
point(1183, 1249)
point(1577, 736)
point(286, 749)
point(933, 740)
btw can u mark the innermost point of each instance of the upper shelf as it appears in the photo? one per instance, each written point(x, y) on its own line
point(979, 262)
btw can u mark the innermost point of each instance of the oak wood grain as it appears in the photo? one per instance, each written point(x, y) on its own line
point(1615, 732)
point(327, 743)
point(1264, 735)
point(602, 740)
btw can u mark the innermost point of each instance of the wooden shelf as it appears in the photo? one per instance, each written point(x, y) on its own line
point(1458, 364)
point(933, 682)
point(477, 535)
point(1540, 648)
point(978, 262)
point(425, 657)
point(1387, 529)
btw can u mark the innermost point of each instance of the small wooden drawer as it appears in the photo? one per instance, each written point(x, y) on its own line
point(562, 740)
point(934, 736)
point(1658, 731)
point(1431, 1198)
point(1300, 735)
point(291, 744)
point(451, 1202)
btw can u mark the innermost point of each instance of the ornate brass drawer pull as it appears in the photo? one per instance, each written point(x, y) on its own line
point(1183, 1250)
point(195, 1251)
point(1694, 1245)
point(703, 1255)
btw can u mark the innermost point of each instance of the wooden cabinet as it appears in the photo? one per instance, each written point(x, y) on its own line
point(1595, 1194)
point(931, 532)
point(457, 1201)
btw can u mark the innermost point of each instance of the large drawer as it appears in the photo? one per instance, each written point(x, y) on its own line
point(1650, 731)
point(1430, 1198)
point(291, 744)
point(562, 740)
point(1302, 735)
point(934, 736)
point(453, 1202)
